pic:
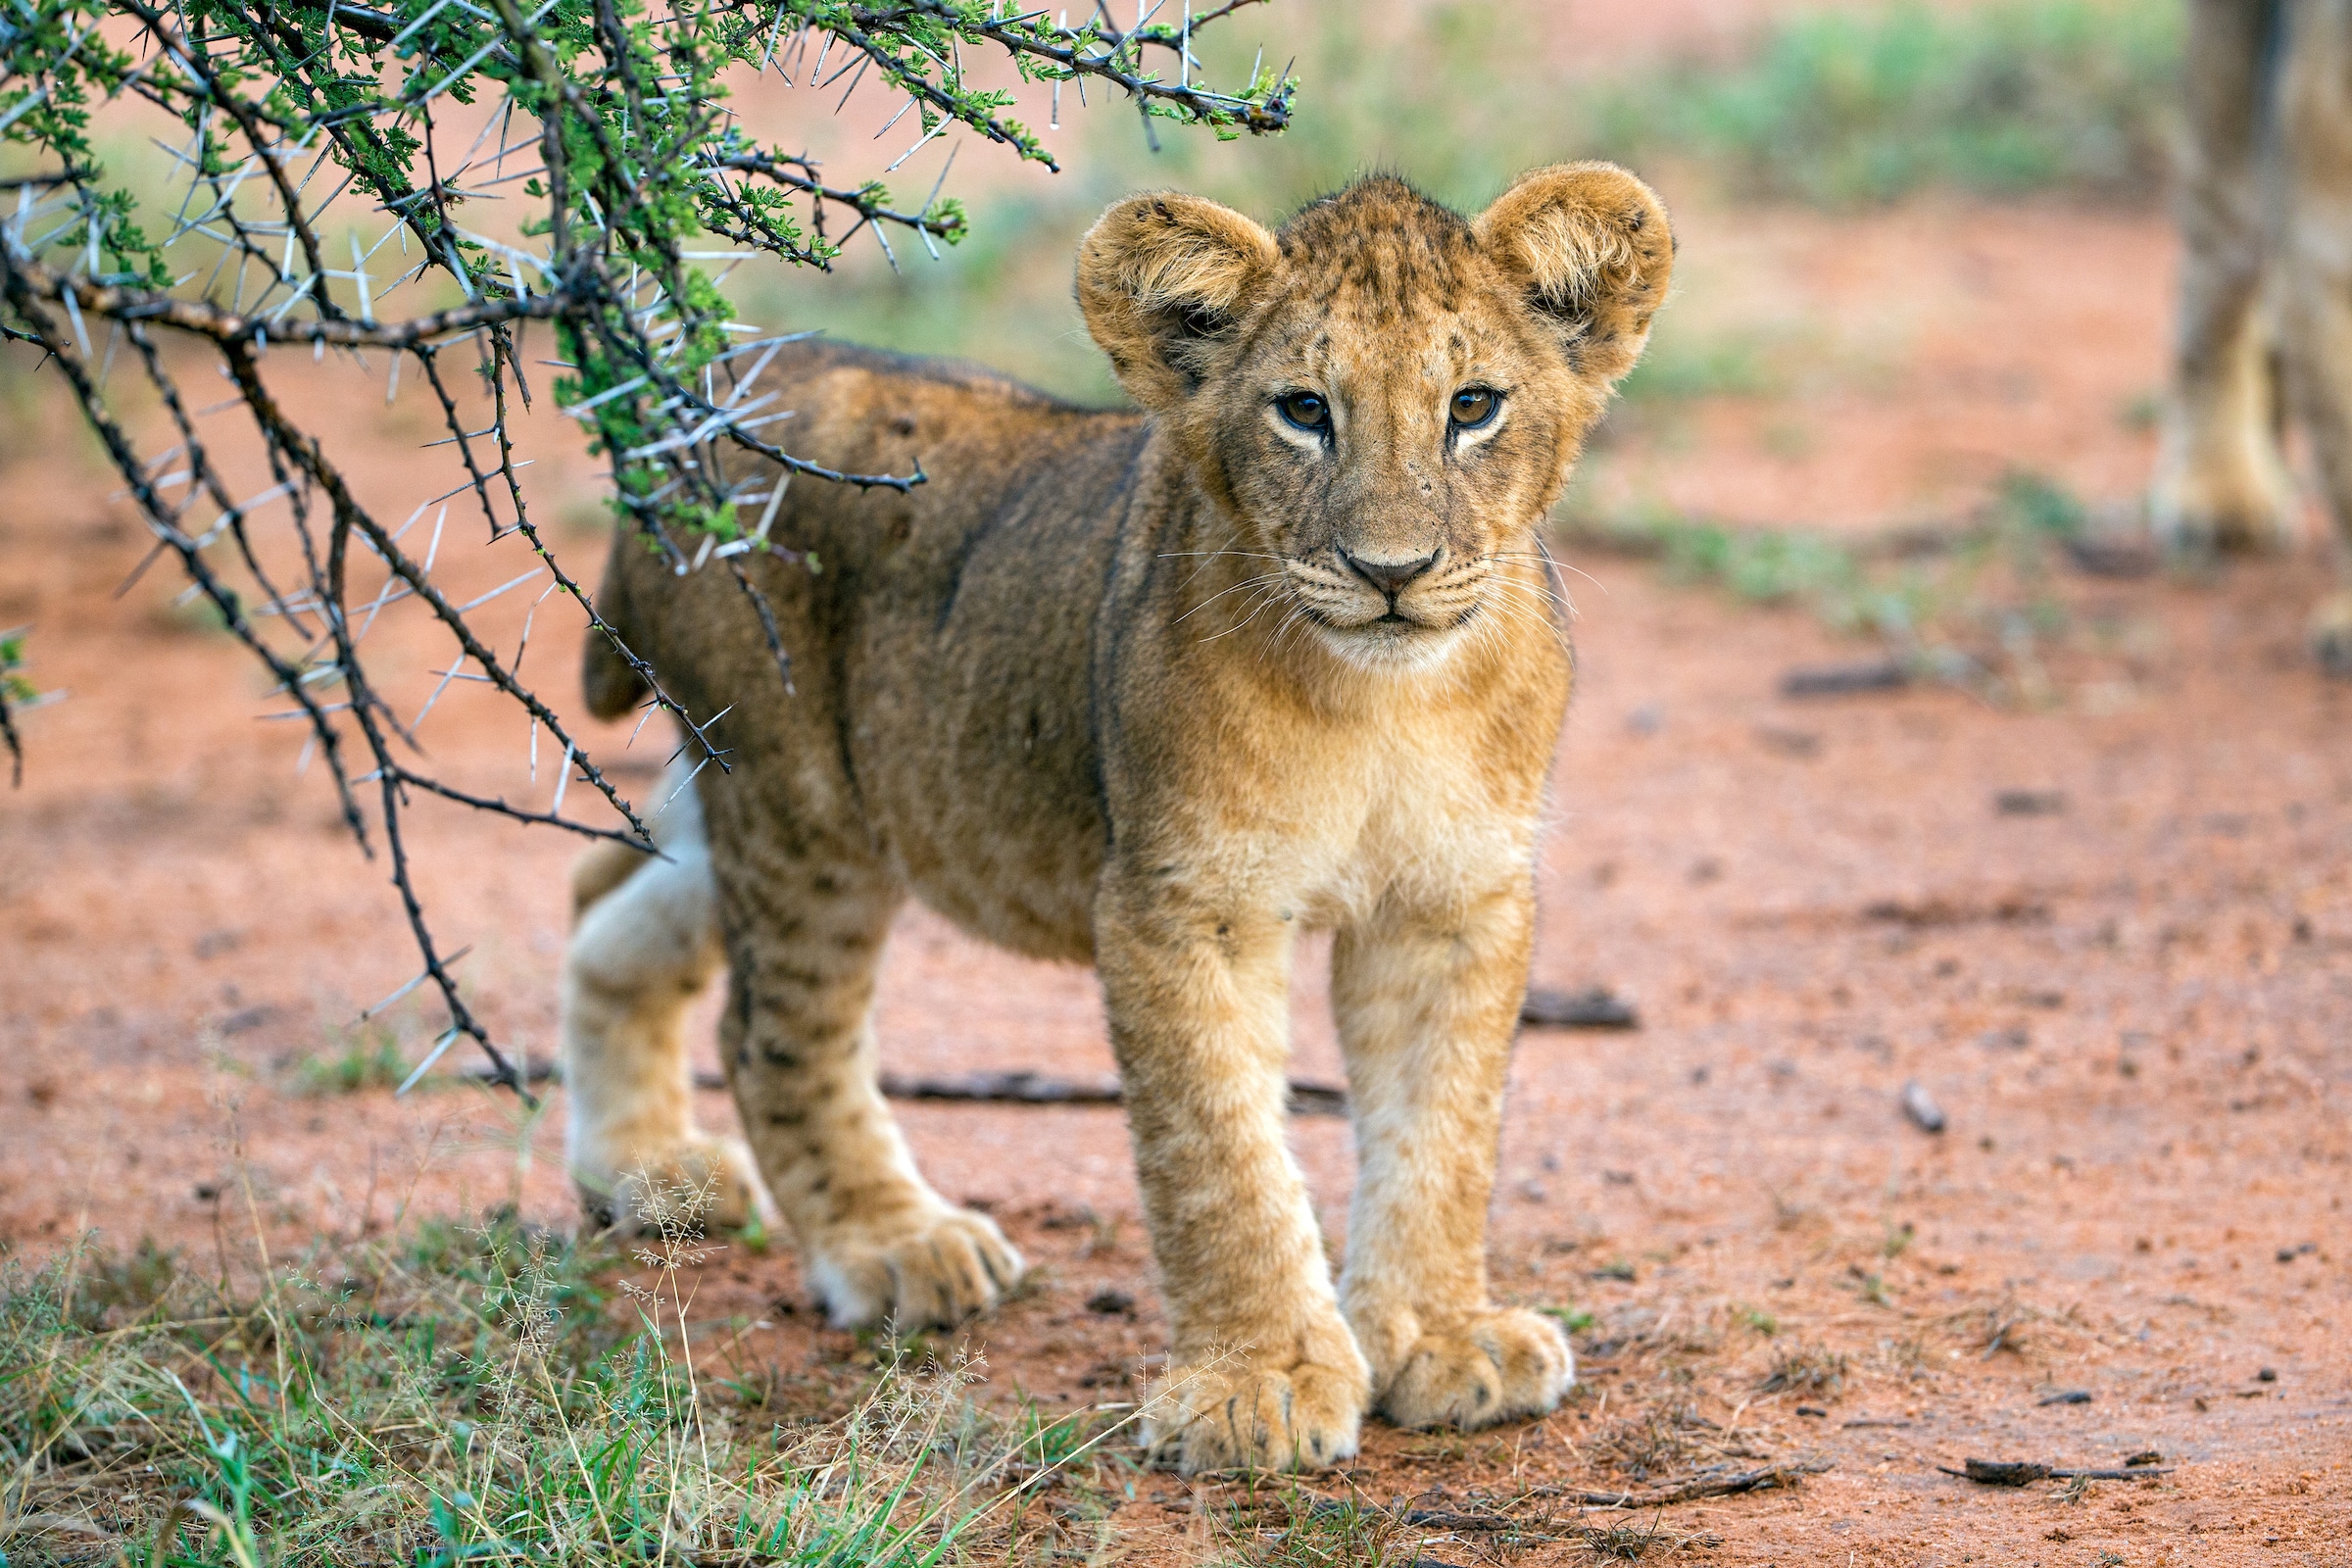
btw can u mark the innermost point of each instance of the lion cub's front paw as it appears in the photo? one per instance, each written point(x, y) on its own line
point(1496, 1367)
point(933, 1269)
point(706, 1182)
point(1242, 1414)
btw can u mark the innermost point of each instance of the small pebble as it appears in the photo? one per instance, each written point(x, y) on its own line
point(1921, 1107)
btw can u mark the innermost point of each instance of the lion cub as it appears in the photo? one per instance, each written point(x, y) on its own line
point(1156, 691)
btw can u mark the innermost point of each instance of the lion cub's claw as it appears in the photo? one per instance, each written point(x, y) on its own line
point(1244, 1417)
point(707, 1183)
point(1496, 1367)
point(941, 1267)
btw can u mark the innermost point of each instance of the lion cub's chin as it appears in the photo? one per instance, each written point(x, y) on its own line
point(1384, 647)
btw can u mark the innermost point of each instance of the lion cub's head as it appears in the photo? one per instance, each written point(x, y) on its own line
point(1384, 395)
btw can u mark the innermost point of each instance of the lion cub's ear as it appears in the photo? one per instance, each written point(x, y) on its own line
point(1593, 249)
point(1161, 280)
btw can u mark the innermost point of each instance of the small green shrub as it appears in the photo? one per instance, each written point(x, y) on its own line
point(2043, 505)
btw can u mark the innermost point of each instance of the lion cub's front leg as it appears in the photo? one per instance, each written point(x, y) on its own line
point(1262, 1370)
point(1426, 1002)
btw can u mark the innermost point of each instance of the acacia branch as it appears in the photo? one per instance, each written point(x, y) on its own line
point(638, 158)
point(863, 200)
point(121, 302)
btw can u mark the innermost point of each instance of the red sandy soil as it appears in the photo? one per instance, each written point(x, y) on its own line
point(2135, 1008)
point(1914, 357)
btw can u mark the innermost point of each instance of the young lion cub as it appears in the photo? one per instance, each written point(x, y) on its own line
point(1156, 691)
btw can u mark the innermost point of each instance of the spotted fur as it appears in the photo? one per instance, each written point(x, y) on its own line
point(1159, 691)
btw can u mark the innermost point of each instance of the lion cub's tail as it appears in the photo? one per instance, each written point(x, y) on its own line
point(598, 872)
point(612, 685)
point(677, 823)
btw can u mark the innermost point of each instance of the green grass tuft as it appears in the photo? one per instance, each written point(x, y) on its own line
point(1972, 603)
point(493, 1394)
point(1572, 1319)
point(367, 1056)
point(1283, 1525)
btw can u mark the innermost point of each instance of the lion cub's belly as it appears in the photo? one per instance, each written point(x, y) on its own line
point(1006, 867)
point(972, 740)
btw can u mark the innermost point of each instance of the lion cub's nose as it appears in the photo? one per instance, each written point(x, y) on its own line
point(1388, 576)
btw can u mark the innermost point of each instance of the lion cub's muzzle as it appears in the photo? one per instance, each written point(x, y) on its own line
point(1387, 598)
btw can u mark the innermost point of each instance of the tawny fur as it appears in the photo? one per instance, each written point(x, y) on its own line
point(644, 944)
point(2266, 293)
point(1130, 689)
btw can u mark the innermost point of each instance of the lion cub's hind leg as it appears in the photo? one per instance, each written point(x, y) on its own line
point(806, 921)
point(644, 943)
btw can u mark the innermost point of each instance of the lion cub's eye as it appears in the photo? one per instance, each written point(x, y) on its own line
point(1474, 406)
point(1305, 410)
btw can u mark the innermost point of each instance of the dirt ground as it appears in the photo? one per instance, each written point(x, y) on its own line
point(2110, 933)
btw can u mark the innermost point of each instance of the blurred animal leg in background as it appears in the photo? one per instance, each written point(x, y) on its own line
point(2315, 225)
point(644, 943)
point(2220, 482)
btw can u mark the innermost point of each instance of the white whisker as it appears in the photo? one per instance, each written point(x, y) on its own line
point(1247, 583)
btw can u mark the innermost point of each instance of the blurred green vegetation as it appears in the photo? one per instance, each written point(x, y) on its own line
point(1841, 108)
point(1681, 367)
point(365, 1056)
point(1974, 604)
point(13, 687)
point(1847, 107)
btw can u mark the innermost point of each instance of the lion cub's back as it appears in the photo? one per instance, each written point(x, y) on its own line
point(966, 614)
